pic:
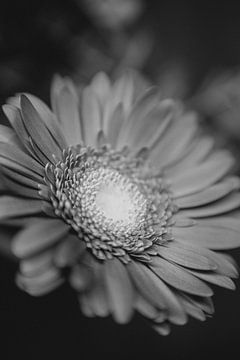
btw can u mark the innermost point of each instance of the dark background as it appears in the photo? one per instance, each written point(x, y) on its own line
point(36, 41)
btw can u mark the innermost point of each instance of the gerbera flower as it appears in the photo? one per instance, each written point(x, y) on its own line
point(119, 188)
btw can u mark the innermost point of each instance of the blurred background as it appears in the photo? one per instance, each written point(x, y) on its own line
point(192, 50)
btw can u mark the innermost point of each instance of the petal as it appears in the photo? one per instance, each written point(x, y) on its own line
point(40, 284)
point(91, 118)
point(191, 308)
point(15, 155)
point(38, 130)
point(14, 207)
point(20, 189)
point(120, 290)
point(18, 178)
point(115, 125)
point(211, 194)
point(66, 107)
point(216, 279)
point(150, 127)
point(14, 116)
point(202, 176)
point(101, 86)
point(212, 237)
point(146, 308)
point(137, 117)
point(97, 296)
point(153, 289)
point(222, 264)
point(187, 257)
point(8, 135)
point(176, 140)
point(122, 93)
point(38, 236)
point(203, 303)
point(68, 251)
point(196, 154)
point(219, 207)
point(162, 329)
point(179, 278)
point(80, 277)
point(49, 119)
point(36, 265)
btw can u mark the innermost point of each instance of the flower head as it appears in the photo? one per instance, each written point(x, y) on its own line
point(121, 189)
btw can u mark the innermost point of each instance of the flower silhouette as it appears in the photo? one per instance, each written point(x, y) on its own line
point(119, 192)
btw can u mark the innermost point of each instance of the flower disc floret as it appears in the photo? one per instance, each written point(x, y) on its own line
point(112, 205)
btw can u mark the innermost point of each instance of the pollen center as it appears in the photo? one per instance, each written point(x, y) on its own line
point(110, 200)
point(115, 204)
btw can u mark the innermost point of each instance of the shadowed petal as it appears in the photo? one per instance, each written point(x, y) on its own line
point(120, 290)
point(15, 118)
point(80, 277)
point(162, 329)
point(36, 265)
point(14, 207)
point(15, 155)
point(153, 289)
point(146, 308)
point(7, 135)
point(179, 278)
point(215, 279)
point(38, 130)
point(50, 120)
point(21, 189)
point(67, 252)
point(40, 284)
point(191, 308)
point(38, 236)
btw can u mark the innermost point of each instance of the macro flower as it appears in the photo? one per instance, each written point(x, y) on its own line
point(118, 191)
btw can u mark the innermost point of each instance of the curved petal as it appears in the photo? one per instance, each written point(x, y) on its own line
point(179, 278)
point(38, 236)
point(49, 119)
point(65, 103)
point(153, 289)
point(18, 157)
point(209, 195)
point(40, 284)
point(201, 176)
point(212, 237)
point(91, 117)
point(120, 290)
point(187, 257)
point(173, 145)
point(37, 130)
point(15, 207)
point(225, 205)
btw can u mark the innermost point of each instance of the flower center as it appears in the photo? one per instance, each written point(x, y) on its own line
point(111, 201)
point(115, 204)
